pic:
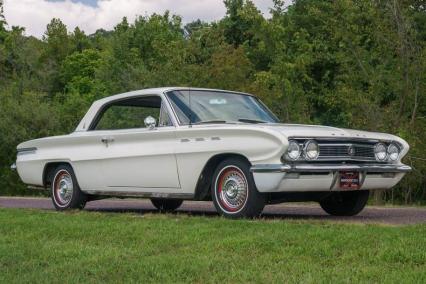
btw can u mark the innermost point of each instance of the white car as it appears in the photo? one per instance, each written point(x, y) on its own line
point(175, 144)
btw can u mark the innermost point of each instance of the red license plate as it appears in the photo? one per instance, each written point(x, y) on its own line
point(349, 180)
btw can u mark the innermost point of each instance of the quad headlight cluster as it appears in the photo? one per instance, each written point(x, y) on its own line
point(384, 153)
point(309, 151)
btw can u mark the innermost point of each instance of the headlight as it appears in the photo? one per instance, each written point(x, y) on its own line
point(393, 152)
point(380, 152)
point(311, 150)
point(293, 151)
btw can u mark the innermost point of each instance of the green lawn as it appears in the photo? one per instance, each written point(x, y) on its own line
point(47, 246)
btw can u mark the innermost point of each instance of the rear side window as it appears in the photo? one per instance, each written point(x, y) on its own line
point(131, 113)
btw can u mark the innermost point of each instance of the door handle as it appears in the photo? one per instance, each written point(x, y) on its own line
point(107, 140)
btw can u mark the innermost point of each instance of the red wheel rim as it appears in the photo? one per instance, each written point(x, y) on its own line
point(63, 188)
point(231, 189)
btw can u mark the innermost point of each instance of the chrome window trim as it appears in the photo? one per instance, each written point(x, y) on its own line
point(164, 113)
point(179, 123)
point(99, 113)
point(170, 105)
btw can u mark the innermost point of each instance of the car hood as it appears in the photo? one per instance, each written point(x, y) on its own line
point(313, 131)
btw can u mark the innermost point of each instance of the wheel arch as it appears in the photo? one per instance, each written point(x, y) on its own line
point(49, 169)
point(202, 189)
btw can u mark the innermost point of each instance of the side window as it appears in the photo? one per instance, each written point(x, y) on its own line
point(131, 113)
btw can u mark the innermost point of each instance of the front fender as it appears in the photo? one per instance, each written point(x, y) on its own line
point(196, 145)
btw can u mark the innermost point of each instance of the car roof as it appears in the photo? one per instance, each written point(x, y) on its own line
point(97, 105)
point(158, 91)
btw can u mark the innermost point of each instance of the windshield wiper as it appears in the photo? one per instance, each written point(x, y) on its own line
point(245, 120)
point(210, 122)
point(251, 120)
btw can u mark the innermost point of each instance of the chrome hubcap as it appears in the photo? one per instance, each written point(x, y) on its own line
point(63, 188)
point(232, 189)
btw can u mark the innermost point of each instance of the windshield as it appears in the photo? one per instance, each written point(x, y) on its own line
point(218, 107)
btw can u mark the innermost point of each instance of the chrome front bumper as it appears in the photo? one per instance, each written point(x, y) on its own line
point(324, 177)
point(314, 168)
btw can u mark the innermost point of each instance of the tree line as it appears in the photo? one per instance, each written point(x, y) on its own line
point(354, 64)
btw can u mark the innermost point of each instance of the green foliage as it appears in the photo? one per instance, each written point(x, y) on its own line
point(22, 117)
point(355, 64)
point(79, 40)
point(78, 72)
point(57, 40)
point(229, 68)
point(2, 23)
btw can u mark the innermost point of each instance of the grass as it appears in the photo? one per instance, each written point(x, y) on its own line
point(47, 246)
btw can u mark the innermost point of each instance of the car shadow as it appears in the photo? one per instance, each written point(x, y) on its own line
point(154, 211)
point(210, 213)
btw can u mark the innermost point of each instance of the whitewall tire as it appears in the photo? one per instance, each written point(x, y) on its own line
point(234, 192)
point(66, 193)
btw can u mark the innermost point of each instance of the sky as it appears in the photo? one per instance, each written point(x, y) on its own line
point(91, 15)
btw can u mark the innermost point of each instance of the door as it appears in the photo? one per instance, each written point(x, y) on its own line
point(136, 157)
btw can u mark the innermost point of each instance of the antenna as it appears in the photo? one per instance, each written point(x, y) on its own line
point(190, 107)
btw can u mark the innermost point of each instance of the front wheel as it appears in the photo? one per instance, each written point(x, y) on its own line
point(234, 192)
point(166, 205)
point(347, 203)
point(66, 193)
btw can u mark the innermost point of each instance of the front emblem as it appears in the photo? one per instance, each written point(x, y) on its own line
point(351, 150)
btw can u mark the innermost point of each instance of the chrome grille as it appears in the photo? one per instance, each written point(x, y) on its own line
point(332, 149)
point(346, 151)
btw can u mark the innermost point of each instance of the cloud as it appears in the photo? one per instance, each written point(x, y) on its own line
point(34, 15)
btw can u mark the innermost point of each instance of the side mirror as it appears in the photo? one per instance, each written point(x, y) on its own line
point(150, 122)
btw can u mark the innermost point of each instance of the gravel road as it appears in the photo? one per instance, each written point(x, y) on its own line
point(288, 211)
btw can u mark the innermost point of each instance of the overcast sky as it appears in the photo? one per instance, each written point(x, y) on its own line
point(91, 15)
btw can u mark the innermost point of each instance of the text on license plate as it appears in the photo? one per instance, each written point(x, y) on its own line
point(349, 180)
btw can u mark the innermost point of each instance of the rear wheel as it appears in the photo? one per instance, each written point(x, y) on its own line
point(347, 203)
point(234, 192)
point(166, 205)
point(66, 193)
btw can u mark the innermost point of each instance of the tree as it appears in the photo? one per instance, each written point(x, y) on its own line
point(17, 59)
point(57, 47)
point(57, 39)
point(355, 64)
point(194, 26)
point(3, 23)
point(78, 72)
point(3, 34)
point(79, 41)
point(28, 117)
point(245, 25)
point(229, 69)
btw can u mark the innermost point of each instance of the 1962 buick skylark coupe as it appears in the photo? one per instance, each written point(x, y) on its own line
point(175, 144)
